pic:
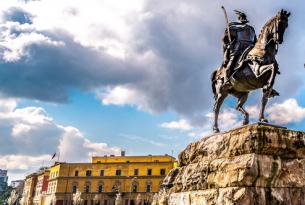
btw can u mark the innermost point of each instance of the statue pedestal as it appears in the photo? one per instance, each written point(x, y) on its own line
point(257, 164)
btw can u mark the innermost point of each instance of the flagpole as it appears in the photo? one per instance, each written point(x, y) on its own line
point(58, 156)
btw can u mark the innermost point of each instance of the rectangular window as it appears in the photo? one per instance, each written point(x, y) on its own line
point(162, 171)
point(87, 188)
point(134, 188)
point(74, 189)
point(76, 173)
point(148, 188)
point(118, 172)
point(136, 172)
point(100, 188)
point(149, 172)
point(88, 173)
point(102, 173)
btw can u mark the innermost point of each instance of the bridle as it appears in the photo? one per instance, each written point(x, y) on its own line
point(275, 36)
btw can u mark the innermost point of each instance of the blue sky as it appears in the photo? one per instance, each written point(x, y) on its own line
point(96, 77)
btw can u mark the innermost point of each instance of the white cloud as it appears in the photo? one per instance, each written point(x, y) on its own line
point(22, 162)
point(181, 124)
point(7, 105)
point(75, 147)
point(139, 43)
point(14, 46)
point(29, 136)
point(287, 112)
point(87, 21)
point(122, 95)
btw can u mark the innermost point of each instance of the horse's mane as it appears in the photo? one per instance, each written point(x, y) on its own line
point(267, 25)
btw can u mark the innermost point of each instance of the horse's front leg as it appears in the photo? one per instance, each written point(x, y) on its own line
point(270, 82)
point(221, 95)
point(266, 93)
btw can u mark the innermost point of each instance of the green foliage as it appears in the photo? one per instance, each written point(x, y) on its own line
point(5, 195)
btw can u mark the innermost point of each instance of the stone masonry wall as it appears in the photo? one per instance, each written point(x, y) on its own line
point(253, 165)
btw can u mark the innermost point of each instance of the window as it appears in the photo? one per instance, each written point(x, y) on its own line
point(136, 172)
point(148, 188)
point(102, 173)
point(87, 188)
point(100, 188)
point(162, 171)
point(118, 172)
point(88, 173)
point(149, 172)
point(76, 173)
point(74, 189)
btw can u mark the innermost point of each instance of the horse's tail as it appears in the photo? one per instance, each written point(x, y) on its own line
point(213, 79)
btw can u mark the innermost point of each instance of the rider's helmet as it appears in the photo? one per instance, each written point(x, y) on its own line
point(242, 17)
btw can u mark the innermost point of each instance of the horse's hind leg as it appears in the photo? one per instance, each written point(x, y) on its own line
point(242, 98)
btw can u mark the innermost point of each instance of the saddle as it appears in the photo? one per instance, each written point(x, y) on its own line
point(243, 58)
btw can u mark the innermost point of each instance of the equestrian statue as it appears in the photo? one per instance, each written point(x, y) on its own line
point(249, 63)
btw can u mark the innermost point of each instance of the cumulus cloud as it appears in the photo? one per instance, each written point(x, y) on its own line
point(155, 55)
point(21, 162)
point(29, 136)
point(287, 112)
point(182, 124)
point(122, 95)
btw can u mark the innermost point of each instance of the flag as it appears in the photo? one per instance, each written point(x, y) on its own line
point(53, 156)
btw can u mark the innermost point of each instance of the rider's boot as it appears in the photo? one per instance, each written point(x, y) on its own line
point(274, 93)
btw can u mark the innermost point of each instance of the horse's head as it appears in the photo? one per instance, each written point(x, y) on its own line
point(281, 23)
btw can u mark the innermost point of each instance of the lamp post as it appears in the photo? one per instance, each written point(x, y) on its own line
point(132, 181)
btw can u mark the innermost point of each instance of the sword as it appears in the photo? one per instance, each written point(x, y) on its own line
point(227, 21)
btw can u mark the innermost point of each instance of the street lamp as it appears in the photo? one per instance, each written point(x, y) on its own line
point(132, 181)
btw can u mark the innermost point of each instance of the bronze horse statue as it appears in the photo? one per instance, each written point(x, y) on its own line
point(257, 68)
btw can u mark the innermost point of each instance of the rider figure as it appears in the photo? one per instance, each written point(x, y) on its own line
point(242, 35)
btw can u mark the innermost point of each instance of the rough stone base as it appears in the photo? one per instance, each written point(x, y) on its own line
point(251, 165)
point(240, 196)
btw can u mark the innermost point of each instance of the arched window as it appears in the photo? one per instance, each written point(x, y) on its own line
point(87, 187)
point(100, 187)
point(134, 186)
point(149, 186)
point(74, 187)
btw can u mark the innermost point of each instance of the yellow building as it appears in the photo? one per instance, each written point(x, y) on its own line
point(29, 189)
point(137, 178)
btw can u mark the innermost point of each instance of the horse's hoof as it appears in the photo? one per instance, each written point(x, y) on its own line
point(215, 130)
point(245, 122)
point(263, 120)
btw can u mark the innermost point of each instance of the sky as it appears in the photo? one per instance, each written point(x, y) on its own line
point(83, 78)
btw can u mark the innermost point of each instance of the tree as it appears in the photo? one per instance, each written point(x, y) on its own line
point(5, 195)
